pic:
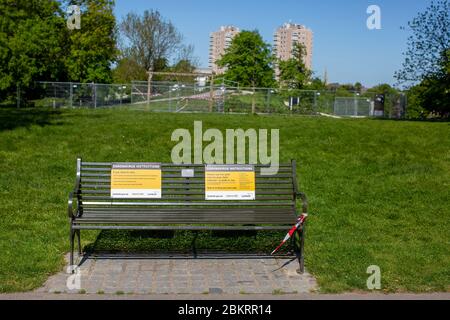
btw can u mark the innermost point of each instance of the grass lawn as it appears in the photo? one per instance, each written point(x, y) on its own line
point(379, 192)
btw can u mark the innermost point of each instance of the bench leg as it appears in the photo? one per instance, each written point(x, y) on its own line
point(300, 249)
point(78, 233)
point(194, 248)
point(72, 238)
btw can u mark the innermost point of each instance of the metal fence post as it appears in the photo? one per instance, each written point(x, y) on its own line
point(170, 99)
point(315, 102)
point(94, 95)
point(211, 94)
point(253, 101)
point(149, 85)
point(71, 95)
point(120, 90)
point(18, 95)
point(405, 105)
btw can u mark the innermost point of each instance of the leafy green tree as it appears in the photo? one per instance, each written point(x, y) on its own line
point(415, 103)
point(128, 70)
point(293, 72)
point(93, 48)
point(383, 88)
point(183, 66)
point(248, 60)
point(32, 44)
point(344, 91)
point(428, 44)
point(427, 59)
point(316, 84)
point(358, 87)
point(431, 96)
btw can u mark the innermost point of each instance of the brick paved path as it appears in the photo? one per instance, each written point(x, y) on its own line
point(118, 274)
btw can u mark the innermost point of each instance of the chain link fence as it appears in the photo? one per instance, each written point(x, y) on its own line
point(219, 98)
point(78, 95)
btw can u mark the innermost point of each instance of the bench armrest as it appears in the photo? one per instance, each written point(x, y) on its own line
point(71, 213)
point(70, 210)
point(304, 200)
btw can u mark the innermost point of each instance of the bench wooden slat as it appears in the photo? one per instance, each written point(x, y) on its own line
point(260, 227)
point(177, 170)
point(191, 192)
point(170, 165)
point(197, 176)
point(189, 222)
point(259, 181)
point(244, 210)
point(191, 218)
point(195, 197)
point(260, 187)
point(201, 204)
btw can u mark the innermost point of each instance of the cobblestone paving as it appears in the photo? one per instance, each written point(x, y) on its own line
point(184, 275)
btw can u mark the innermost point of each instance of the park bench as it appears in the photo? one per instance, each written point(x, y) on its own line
point(183, 205)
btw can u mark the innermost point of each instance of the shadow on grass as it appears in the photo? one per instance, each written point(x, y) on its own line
point(183, 242)
point(14, 118)
point(11, 118)
point(186, 245)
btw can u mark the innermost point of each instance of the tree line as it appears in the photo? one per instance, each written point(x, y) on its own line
point(426, 70)
point(36, 44)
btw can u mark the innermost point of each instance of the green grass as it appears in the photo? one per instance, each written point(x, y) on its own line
point(379, 192)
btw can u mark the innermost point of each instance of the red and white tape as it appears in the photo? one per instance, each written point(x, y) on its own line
point(301, 220)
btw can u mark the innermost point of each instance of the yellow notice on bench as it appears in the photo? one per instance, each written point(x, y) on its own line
point(229, 182)
point(136, 181)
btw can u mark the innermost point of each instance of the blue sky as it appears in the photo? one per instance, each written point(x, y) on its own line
point(342, 42)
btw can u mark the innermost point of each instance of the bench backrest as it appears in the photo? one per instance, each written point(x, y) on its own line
point(94, 179)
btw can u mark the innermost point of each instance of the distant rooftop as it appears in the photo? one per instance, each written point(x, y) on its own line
point(224, 28)
point(290, 25)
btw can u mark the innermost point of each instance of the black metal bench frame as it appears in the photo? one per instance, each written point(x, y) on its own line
point(183, 207)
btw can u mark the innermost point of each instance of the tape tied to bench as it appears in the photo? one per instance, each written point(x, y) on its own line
point(300, 221)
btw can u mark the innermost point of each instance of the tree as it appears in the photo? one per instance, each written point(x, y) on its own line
point(316, 84)
point(128, 70)
point(384, 89)
point(358, 87)
point(293, 72)
point(431, 96)
point(186, 55)
point(186, 62)
point(248, 60)
point(32, 44)
point(427, 46)
point(93, 48)
point(151, 39)
point(427, 60)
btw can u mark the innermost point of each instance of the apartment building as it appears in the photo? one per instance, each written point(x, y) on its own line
point(219, 41)
point(287, 35)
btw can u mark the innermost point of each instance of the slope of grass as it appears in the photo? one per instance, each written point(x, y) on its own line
point(379, 192)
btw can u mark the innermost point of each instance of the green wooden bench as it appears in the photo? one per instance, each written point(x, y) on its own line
point(183, 205)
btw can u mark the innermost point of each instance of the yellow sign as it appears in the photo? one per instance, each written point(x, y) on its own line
point(136, 181)
point(229, 182)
